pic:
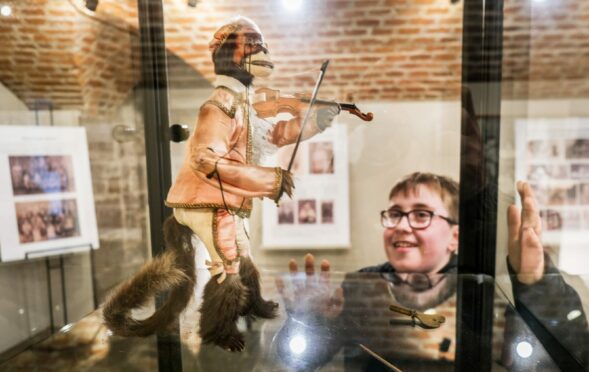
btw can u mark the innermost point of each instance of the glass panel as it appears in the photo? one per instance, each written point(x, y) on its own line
point(72, 163)
point(400, 61)
point(372, 337)
point(75, 64)
point(543, 133)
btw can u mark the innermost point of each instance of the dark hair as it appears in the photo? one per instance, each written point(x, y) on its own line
point(445, 186)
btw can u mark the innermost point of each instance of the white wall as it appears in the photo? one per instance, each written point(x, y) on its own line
point(403, 138)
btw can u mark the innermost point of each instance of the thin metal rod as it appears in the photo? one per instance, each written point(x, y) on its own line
point(379, 358)
point(49, 294)
point(63, 289)
point(93, 274)
point(307, 114)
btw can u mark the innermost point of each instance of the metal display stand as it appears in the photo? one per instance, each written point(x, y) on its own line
point(61, 252)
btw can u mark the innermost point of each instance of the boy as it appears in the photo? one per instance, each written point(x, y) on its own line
point(420, 239)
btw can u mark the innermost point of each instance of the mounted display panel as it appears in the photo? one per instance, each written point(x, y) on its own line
point(318, 215)
point(49, 203)
point(553, 156)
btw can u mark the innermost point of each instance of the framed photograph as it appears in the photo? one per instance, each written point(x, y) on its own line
point(318, 215)
point(553, 156)
point(47, 203)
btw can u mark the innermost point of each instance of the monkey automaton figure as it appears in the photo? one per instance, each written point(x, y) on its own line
point(211, 197)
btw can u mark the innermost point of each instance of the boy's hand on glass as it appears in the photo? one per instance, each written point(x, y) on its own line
point(526, 253)
point(308, 294)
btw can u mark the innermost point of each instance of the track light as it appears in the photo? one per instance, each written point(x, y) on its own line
point(6, 10)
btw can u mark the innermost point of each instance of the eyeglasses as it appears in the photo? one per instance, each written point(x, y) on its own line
point(418, 219)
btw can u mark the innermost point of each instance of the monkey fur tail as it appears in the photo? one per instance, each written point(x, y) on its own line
point(171, 271)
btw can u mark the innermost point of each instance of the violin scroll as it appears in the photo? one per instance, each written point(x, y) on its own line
point(354, 110)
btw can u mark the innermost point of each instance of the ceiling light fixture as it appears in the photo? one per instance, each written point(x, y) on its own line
point(192, 3)
point(6, 10)
point(292, 5)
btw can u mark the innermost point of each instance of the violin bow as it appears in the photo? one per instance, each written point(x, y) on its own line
point(307, 114)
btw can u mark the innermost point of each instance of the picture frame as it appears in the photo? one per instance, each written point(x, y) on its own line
point(318, 216)
point(48, 205)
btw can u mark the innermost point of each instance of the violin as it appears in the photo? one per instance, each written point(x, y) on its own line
point(270, 103)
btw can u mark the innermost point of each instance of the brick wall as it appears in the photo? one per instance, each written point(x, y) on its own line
point(379, 49)
point(546, 49)
point(50, 51)
point(120, 196)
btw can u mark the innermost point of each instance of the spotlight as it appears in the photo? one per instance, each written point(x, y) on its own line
point(524, 349)
point(297, 344)
point(292, 5)
point(192, 3)
point(92, 5)
point(574, 314)
point(6, 10)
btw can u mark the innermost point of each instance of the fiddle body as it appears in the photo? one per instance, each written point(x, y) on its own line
point(271, 103)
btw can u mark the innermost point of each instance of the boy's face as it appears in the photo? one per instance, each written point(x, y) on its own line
point(423, 251)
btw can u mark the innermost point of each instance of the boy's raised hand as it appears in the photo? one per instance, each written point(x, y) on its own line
point(525, 251)
point(308, 294)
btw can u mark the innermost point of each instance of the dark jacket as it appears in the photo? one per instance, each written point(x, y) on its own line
point(367, 320)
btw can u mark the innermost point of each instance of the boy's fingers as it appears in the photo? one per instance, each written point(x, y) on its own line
point(309, 264)
point(338, 296)
point(279, 285)
point(325, 274)
point(513, 223)
point(519, 186)
point(292, 266)
point(530, 215)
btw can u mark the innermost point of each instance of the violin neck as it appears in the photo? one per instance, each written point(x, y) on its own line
point(348, 106)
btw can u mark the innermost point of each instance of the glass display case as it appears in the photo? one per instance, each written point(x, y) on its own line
point(373, 337)
point(154, 153)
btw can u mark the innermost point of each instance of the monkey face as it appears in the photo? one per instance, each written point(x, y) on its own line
point(251, 54)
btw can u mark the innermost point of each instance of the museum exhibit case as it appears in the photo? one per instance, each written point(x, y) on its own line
point(294, 185)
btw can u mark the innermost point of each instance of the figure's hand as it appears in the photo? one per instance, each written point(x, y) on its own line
point(325, 116)
point(526, 254)
point(286, 186)
point(309, 294)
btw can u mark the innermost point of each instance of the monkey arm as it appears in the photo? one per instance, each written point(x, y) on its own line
point(285, 132)
point(214, 158)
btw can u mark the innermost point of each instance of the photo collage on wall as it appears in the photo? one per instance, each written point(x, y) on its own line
point(318, 214)
point(320, 161)
point(40, 185)
point(46, 180)
point(558, 171)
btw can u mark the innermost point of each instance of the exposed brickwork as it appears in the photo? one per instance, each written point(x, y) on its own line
point(50, 51)
point(118, 179)
point(379, 49)
point(546, 49)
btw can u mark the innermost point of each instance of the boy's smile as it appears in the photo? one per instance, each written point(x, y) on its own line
point(425, 250)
